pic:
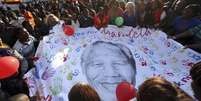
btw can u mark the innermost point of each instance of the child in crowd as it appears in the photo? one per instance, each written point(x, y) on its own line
point(83, 92)
point(159, 89)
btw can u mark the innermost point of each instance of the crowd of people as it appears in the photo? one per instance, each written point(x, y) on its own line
point(21, 30)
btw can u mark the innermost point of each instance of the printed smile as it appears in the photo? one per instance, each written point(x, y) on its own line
point(110, 86)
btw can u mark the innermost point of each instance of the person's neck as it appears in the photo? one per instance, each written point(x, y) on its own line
point(187, 18)
point(130, 13)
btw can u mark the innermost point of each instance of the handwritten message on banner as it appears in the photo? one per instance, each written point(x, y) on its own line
point(104, 58)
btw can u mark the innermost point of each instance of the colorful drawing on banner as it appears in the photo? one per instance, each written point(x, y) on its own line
point(36, 73)
point(78, 49)
point(48, 73)
point(153, 68)
point(31, 82)
point(75, 72)
point(69, 76)
point(65, 57)
point(163, 62)
point(73, 62)
point(187, 63)
point(104, 59)
point(174, 60)
point(194, 56)
point(56, 87)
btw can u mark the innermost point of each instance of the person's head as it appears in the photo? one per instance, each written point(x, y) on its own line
point(156, 5)
point(195, 73)
point(190, 11)
point(85, 12)
point(130, 7)
point(157, 89)
point(13, 15)
point(103, 10)
point(179, 5)
point(83, 92)
point(114, 4)
point(19, 97)
point(22, 34)
point(92, 12)
point(122, 5)
point(107, 64)
point(52, 20)
point(5, 19)
point(22, 11)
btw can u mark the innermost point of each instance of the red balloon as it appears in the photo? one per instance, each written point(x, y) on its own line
point(125, 91)
point(8, 66)
point(68, 30)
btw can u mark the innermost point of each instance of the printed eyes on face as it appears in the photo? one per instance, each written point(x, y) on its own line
point(98, 64)
point(118, 63)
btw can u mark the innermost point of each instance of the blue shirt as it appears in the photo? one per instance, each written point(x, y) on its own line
point(129, 20)
point(180, 24)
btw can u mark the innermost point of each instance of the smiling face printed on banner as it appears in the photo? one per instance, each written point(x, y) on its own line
point(106, 65)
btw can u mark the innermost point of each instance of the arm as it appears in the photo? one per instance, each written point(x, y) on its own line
point(194, 46)
point(188, 33)
point(185, 34)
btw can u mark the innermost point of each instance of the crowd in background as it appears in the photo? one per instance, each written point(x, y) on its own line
point(21, 30)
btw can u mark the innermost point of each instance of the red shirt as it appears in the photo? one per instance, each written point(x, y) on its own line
point(157, 15)
point(98, 22)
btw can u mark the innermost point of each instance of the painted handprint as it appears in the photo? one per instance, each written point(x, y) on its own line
point(48, 73)
point(56, 87)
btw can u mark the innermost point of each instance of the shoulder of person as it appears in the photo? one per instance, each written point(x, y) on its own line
point(196, 20)
point(32, 38)
point(178, 17)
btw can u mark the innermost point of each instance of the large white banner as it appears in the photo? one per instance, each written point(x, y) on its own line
point(104, 58)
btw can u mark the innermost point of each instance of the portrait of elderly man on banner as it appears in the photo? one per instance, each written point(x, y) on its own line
point(106, 65)
point(106, 60)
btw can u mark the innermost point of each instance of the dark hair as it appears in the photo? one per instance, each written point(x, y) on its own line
point(195, 73)
point(195, 9)
point(157, 89)
point(3, 96)
point(83, 92)
point(20, 30)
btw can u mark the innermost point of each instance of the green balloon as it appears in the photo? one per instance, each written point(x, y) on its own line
point(119, 21)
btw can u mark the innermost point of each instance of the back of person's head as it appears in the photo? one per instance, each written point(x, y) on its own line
point(19, 97)
point(83, 92)
point(3, 96)
point(157, 89)
point(13, 15)
point(114, 3)
point(130, 6)
point(195, 73)
point(51, 20)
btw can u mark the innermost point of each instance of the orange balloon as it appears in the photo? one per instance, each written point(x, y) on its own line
point(8, 66)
